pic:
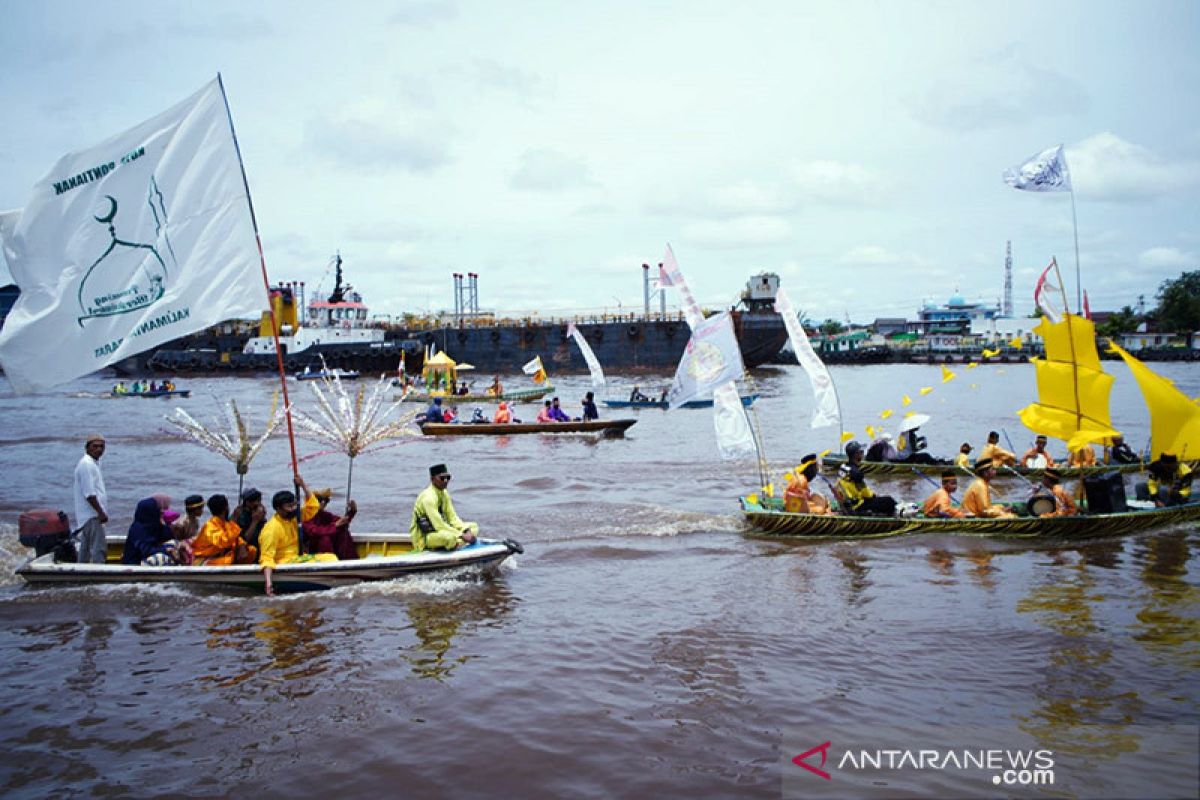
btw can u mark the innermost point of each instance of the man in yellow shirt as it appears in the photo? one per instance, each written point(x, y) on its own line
point(434, 524)
point(279, 542)
point(941, 502)
point(963, 459)
point(993, 452)
point(977, 502)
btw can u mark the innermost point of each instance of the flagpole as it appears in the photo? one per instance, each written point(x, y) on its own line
point(1075, 226)
point(262, 260)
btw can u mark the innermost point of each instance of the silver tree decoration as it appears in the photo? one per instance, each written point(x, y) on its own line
point(229, 436)
point(352, 424)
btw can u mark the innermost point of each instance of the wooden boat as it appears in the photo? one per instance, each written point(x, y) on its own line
point(342, 374)
point(518, 396)
point(900, 469)
point(155, 393)
point(772, 518)
point(607, 427)
point(747, 400)
point(384, 557)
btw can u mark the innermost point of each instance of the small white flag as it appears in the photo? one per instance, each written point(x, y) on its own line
point(1044, 172)
point(734, 437)
point(1041, 294)
point(691, 309)
point(129, 244)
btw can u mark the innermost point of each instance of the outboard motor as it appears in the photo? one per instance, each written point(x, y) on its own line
point(47, 531)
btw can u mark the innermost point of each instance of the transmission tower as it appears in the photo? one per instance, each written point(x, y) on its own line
point(1008, 309)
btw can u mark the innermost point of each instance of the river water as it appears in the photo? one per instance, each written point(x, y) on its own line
point(646, 643)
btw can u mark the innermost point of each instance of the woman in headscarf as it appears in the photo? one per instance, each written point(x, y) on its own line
point(149, 540)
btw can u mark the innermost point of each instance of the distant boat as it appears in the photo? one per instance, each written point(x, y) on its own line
point(155, 393)
point(342, 374)
point(747, 400)
point(608, 427)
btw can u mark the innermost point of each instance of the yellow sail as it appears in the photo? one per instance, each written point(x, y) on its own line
point(1073, 389)
point(1174, 417)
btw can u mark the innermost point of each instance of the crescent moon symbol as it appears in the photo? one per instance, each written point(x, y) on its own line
point(112, 212)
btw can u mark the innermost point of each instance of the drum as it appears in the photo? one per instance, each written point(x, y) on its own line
point(1041, 504)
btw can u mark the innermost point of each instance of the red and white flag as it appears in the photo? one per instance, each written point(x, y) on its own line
point(1042, 293)
point(1087, 309)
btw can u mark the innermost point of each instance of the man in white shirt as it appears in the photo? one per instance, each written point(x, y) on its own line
point(90, 500)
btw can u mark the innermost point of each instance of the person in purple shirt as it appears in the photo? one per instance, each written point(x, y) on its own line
point(556, 412)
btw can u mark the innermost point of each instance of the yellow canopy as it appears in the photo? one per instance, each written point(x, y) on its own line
point(1174, 417)
point(1073, 389)
point(439, 362)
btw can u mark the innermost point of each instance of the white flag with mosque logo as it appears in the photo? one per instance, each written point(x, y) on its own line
point(126, 245)
point(1044, 172)
point(711, 358)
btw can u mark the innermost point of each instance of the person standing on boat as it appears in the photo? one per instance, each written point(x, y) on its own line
point(963, 459)
point(90, 500)
point(279, 542)
point(1120, 453)
point(977, 502)
point(1036, 457)
point(1169, 483)
point(941, 502)
point(434, 524)
point(1051, 486)
point(996, 454)
point(589, 407)
point(497, 388)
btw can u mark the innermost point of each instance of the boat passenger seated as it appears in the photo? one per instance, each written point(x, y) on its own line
point(462, 389)
point(435, 524)
point(941, 502)
point(477, 416)
point(881, 449)
point(857, 498)
point(1036, 457)
point(149, 541)
point(435, 413)
point(1121, 453)
point(544, 414)
point(279, 542)
point(799, 497)
point(556, 412)
point(977, 502)
point(636, 396)
point(1169, 483)
point(323, 531)
point(220, 541)
point(1052, 489)
point(503, 414)
point(995, 453)
point(911, 448)
point(1082, 456)
point(497, 388)
point(589, 407)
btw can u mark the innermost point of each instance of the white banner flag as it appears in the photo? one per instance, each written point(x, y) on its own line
point(827, 411)
point(734, 438)
point(712, 358)
point(691, 309)
point(588, 356)
point(129, 244)
point(1044, 172)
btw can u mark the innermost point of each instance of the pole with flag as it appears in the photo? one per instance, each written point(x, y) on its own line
point(123, 246)
point(1047, 172)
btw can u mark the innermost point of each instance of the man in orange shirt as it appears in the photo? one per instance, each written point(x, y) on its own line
point(977, 502)
point(799, 497)
point(941, 502)
point(1064, 506)
point(993, 452)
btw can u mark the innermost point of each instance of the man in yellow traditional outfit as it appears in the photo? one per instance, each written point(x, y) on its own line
point(1036, 457)
point(941, 502)
point(434, 524)
point(279, 542)
point(1064, 506)
point(978, 500)
point(995, 453)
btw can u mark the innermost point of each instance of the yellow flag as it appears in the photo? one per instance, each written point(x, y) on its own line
point(908, 414)
point(824, 453)
point(847, 436)
point(769, 490)
point(926, 390)
point(871, 431)
point(887, 412)
point(947, 374)
point(1015, 343)
point(906, 400)
point(973, 365)
point(990, 353)
point(752, 499)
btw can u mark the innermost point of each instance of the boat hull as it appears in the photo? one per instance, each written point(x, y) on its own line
point(482, 558)
point(1080, 526)
point(607, 427)
point(518, 396)
point(747, 400)
point(172, 393)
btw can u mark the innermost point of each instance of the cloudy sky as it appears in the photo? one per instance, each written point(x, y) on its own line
point(853, 147)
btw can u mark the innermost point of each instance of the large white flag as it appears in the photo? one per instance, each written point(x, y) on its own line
point(588, 356)
point(712, 358)
point(1044, 172)
point(129, 244)
point(827, 411)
